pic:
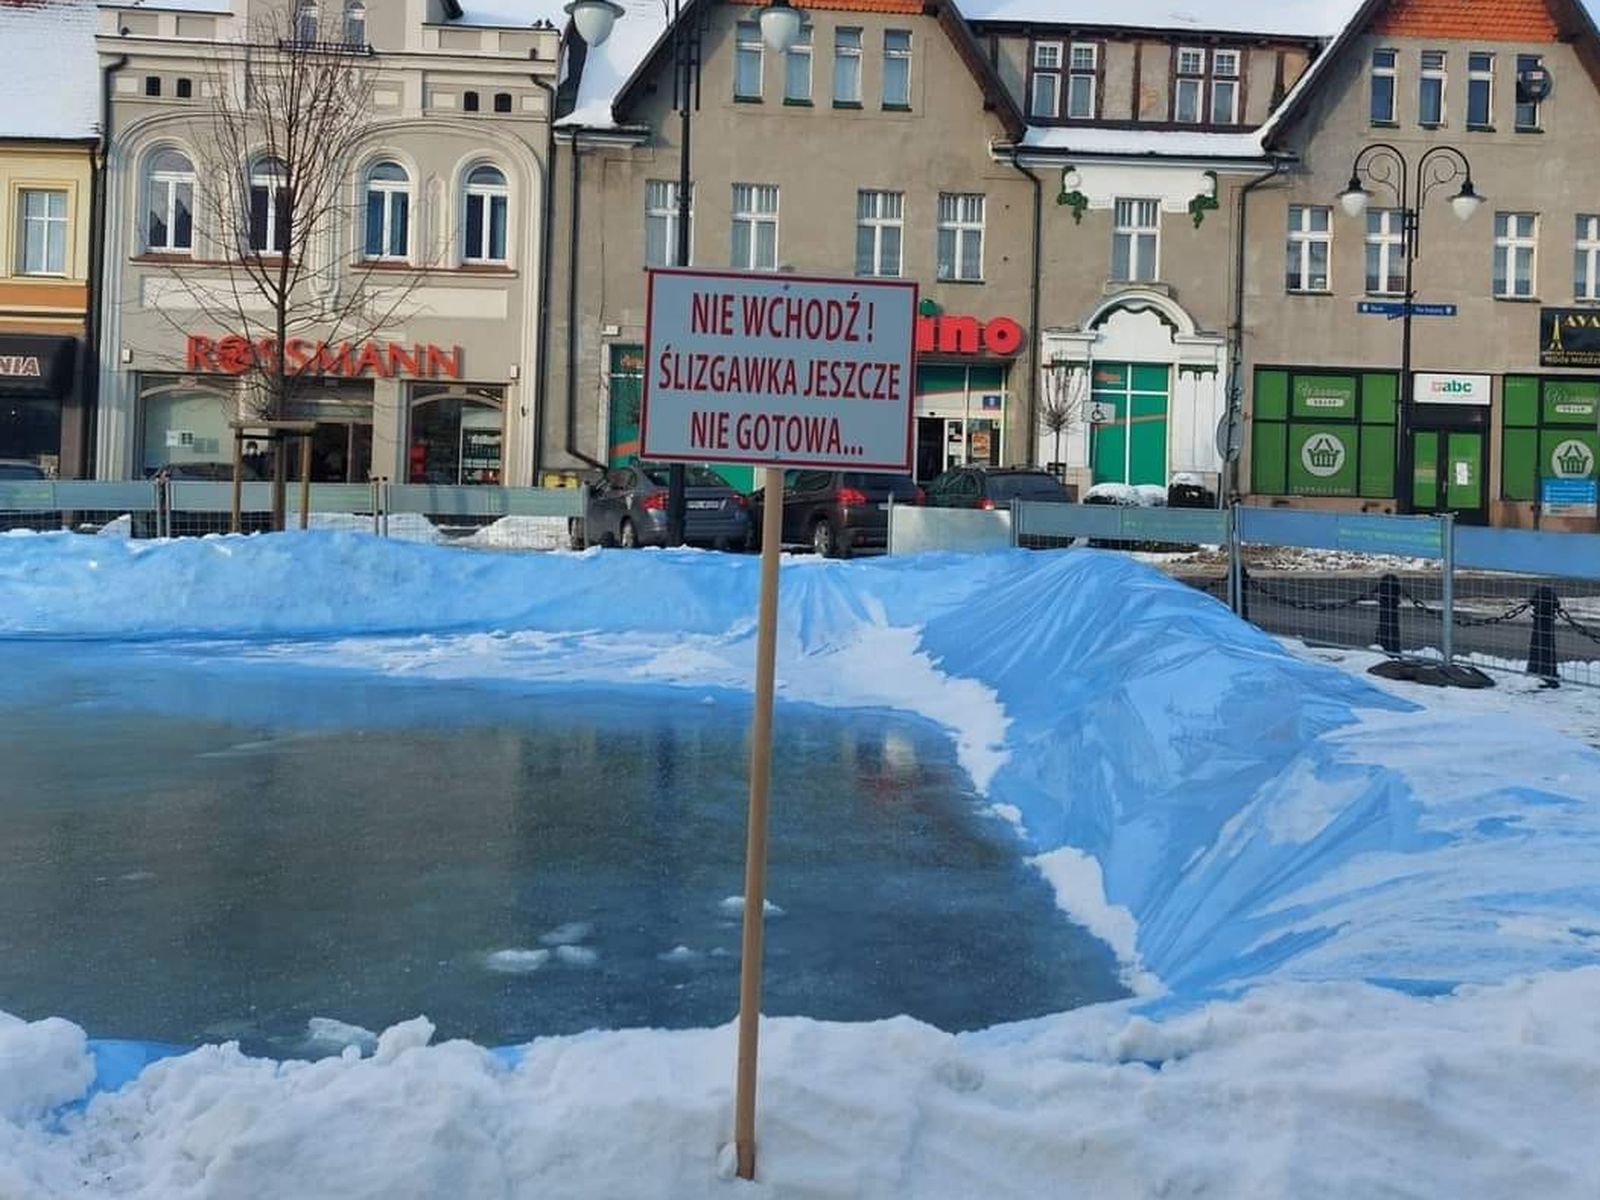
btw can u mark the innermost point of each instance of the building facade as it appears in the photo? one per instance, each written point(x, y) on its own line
point(1506, 334)
point(415, 337)
point(48, 137)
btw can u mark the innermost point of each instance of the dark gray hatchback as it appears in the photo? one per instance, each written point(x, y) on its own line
point(836, 512)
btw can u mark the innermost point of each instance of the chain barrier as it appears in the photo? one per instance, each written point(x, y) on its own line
point(1575, 625)
point(1279, 598)
point(1510, 614)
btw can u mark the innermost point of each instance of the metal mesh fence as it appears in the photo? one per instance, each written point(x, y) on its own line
point(1191, 545)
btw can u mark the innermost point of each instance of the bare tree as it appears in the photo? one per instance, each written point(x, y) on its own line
point(1066, 394)
point(278, 220)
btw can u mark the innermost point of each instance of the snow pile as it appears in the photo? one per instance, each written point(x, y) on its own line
point(1260, 838)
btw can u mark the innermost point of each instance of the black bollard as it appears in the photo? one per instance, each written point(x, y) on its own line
point(1389, 614)
point(1244, 593)
point(1542, 645)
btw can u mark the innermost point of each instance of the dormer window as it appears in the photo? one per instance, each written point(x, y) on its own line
point(1083, 83)
point(1046, 95)
point(1205, 86)
point(1189, 88)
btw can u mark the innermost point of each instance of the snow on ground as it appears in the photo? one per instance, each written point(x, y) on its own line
point(1364, 920)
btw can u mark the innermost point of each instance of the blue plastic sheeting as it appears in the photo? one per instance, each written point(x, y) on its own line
point(1257, 815)
point(1530, 552)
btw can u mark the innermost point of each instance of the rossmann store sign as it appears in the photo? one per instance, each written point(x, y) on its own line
point(235, 355)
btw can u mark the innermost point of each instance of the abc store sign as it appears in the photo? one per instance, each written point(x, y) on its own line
point(1431, 387)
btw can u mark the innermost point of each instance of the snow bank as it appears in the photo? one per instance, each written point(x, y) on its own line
point(1261, 838)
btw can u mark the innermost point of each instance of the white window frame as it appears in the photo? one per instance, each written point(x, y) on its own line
point(1390, 71)
point(1226, 83)
point(272, 176)
point(1046, 68)
point(749, 208)
point(961, 217)
point(748, 46)
point(1136, 221)
point(661, 208)
point(1484, 76)
point(1440, 73)
point(846, 52)
point(389, 189)
point(485, 194)
point(1088, 74)
point(1390, 240)
point(893, 55)
point(165, 183)
point(1525, 62)
point(877, 211)
point(1303, 238)
point(1510, 244)
point(801, 50)
point(44, 223)
point(1586, 258)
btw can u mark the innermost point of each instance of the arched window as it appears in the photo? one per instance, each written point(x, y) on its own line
point(355, 23)
point(388, 211)
point(269, 206)
point(486, 216)
point(457, 434)
point(169, 203)
point(305, 23)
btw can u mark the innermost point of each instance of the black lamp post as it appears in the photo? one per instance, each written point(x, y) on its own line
point(1383, 165)
point(780, 28)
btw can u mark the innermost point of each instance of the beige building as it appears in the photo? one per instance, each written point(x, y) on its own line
point(1506, 338)
point(436, 243)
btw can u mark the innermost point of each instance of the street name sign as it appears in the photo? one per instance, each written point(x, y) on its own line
point(1395, 309)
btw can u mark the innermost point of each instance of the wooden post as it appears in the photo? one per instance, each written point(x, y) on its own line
point(755, 861)
point(235, 521)
point(305, 481)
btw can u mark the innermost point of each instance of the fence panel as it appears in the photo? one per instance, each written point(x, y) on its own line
point(484, 518)
point(85, 506)
point(917, 530)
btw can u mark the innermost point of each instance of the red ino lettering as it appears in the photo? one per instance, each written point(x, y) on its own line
point(1001, 337)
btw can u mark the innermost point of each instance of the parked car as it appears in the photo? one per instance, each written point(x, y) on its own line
point(628, 507)
point(996, 487)
point(836, 513)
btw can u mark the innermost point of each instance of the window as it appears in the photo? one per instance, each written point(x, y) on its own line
point(797, 70)
point(185, 88)
point(1386, 256)
point(1515, 255)
point(1135, 240)
point(755, 227)
point(1383, 65)
point(502, 102)
point(1480, 90)
point(960, 249)
point(661, 223)
point(1430, 96)
point(487, 200)
point(457, 434)
point(152, 85)
point(1189, 86)
point(388, 212)
point(747, 62)
point(469, 101)
point(355, 23)
point(169, 203)
point(269, 207)
point(1527, 104)
point(305, 23)
point(897, 68)
point(879, 227)
point(847, 66)
point(1083, 82)
point(44, 232)
point(1046, 94)
point(1310, 239)
point(1586, 259)
point(1225, 87)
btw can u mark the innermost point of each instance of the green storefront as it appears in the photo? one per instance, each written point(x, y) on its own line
point(625, 388)
point(1550, 442)
point(1128, 422)
point(1323, 433)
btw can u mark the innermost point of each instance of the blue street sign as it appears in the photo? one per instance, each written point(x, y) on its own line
point(1395, 309)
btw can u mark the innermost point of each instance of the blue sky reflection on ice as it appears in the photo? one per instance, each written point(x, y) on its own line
point(197, 852)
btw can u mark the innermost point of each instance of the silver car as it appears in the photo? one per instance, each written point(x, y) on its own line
point(628, 507)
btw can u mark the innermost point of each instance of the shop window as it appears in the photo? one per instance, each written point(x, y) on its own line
point(1548, 433)
point(388, 211)
point(185, 427)
point(624, 391)
point(487, 198)
point(43, 232)
point(1323, 433)
point(457, 435)
point(169, 203)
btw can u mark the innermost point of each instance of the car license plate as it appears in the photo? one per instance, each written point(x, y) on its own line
point(705, 504)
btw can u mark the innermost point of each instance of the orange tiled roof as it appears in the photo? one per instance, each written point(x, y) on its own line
point(1480, 20)
point(904, 7)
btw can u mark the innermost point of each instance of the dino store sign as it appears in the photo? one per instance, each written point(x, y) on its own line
point(235, 355)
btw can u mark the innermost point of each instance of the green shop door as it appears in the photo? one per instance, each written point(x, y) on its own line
point(1447, 473)
point(1128, 415)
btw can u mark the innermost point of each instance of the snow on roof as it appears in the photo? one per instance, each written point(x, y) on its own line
point(200, 6)
point(1286, 18)
point(511, 13)
point(609, 66)
point(1163, 143)
point(49, 73)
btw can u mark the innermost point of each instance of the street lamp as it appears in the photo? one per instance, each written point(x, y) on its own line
point(1383, 165)
point(780, 23)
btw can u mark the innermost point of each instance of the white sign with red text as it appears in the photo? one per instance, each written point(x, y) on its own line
point(779, 370)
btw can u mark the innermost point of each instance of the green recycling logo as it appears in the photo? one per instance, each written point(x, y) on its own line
point(1572, 460)
point(1323, 455)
